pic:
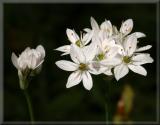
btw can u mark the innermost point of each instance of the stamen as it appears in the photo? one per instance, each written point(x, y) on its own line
point(126, 59)
point(100, 56)
point(83, 66)
point(78, 43)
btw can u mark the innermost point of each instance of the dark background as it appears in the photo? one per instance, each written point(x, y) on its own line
point(45, 24)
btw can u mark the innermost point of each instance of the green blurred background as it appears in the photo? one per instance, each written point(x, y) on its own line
point(45, 24)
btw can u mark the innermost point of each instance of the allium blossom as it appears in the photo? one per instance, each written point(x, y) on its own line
point(101, 49)
point(73, 37)
point(28, 63)
point(131, 58)
point(81, 66)
point(106, 53)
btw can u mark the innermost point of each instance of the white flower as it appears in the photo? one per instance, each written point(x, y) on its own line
point(81, 66)
point(125, 29)
point(28, 63)
point(130, 59)
point(73, 37)
point(107, 50)
point(105, 28)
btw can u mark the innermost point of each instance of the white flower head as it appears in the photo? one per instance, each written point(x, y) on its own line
point(132, 60)
point(125, 29)
point(28, 63)
point(73, 37)
point(81, 66)
point(109, 48)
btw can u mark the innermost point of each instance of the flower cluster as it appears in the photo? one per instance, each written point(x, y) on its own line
point(28, 63)
point(103, 49)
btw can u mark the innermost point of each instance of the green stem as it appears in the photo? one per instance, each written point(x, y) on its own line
point(107, 113)
point(107, 103)
point(29, 106)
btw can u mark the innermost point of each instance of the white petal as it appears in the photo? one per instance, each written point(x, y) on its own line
point(138, 35)
point(32, 62)
point(22, 63)
point(87, 30)
point(72, 36)
point(142, 59)
point(111, 62)
point(143, 48)
point(76, 54)
point(27, 49)
point(38, 65)
point(90, 51)
point(40, 48)
point(67, 65)
point(94, 24)
point(64, 54)
point(100, 36)
point(74, 79)
point(130, 45)
point(95, 68)
point(107, 27)
point(110, 42)
point(87, 80)
point(138, 69)
point(108, 72)
point(65, 48)
point(87, 38)
point(112, 52)
point(120, 71)
point(14, 60)
point(106, 44)
point(121, 50)
point(126, 27)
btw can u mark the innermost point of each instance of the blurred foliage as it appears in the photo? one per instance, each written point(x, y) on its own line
point(124, 106)
point(33, 24)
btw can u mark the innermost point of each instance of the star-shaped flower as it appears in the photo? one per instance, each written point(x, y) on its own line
point(131, 58)
point(109, 49)
point(73, 37)
point(125, 29)
point(81, 66)
point(106, 53)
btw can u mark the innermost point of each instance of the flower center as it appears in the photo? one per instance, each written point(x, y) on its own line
point(78, 43)
point(100, 56)
point(82, 66)
point(126, 59)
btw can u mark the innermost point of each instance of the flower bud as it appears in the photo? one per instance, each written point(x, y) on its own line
point(28, 63)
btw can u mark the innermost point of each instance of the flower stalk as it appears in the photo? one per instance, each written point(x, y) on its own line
point(107, 102)
point(28, 64)
point(29, 103)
